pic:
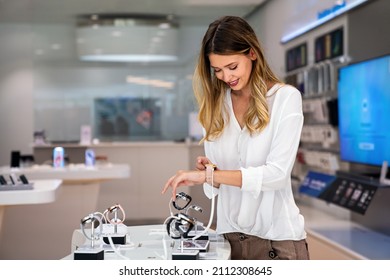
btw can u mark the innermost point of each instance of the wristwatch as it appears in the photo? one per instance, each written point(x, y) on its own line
point(210, 173)
point(183, 197)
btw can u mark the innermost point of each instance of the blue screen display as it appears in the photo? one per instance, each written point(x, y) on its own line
point(364, 108)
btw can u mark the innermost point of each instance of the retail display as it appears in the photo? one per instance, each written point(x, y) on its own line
point(352, 192)
point(15, 182)
point(91, 251)
point(114, 216)
point(364, 99)
point(58, 157)
point(186, 228)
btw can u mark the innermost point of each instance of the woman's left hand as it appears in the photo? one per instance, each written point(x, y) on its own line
point(184, 178)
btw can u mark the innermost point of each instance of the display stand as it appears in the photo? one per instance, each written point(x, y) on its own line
point(383, 177)
point(184, 252)
point(115, 221)
point(19, 187)
point(347, 190)
point(90, 252)
point(185, 227)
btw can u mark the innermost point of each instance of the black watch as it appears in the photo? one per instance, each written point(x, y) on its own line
point(182, 196)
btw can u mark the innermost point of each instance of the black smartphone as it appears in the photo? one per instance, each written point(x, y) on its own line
point(14, 179)
point(23, 179)
point(3, 181)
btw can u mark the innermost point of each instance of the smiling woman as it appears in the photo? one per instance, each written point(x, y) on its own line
point(252, 124)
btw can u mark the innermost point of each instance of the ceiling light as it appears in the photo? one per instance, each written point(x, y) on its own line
point(137, 39)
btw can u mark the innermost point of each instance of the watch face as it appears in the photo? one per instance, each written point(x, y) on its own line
point(182, 201)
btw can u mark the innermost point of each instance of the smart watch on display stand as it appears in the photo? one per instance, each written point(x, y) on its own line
point(115, 216)
point(180, 225)
point(198, 227)
point(90, 251)
point(182, 201)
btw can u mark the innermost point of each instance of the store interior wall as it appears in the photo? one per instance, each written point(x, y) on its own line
point(31, 83)
point(16, 84)
point(27, 82)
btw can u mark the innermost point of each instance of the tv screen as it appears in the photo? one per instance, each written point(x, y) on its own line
point(364, 105)
point(124, 118)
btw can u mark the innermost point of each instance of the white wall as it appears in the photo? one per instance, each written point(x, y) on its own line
point(16, 84)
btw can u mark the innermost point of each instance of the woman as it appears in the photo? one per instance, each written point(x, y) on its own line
point(252, 125)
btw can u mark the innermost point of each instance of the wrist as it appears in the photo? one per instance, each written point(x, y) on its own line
point(210, 173)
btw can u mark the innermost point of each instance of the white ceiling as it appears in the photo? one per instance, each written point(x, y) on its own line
point(64, 11)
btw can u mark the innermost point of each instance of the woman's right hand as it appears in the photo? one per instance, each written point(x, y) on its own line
point(201, 163)
point(184, 178)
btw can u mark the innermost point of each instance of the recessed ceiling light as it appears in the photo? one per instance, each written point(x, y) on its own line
point(56, 46)
point(164, 25)
point(117, 33)
point(129, 58)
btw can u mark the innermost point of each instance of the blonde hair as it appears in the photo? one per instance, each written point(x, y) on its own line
point(226, 36)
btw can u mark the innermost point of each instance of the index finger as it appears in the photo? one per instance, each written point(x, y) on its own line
point(167, 185)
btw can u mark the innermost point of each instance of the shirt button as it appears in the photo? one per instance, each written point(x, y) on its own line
point(242, 237)
point(272, 254)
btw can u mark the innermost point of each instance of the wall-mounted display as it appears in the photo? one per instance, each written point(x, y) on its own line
point(125, 118)
point(329, 45)
point(363, 103)
point(296, 57)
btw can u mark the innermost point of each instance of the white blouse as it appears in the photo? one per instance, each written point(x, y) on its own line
point(264, 206)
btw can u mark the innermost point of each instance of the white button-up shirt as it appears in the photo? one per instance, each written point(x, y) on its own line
point(264, 206)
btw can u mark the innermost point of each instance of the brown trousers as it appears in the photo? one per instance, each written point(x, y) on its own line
point(248, 247)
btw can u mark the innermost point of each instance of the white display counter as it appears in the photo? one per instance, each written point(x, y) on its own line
point(146, 243)
point(72, 173)
point(51, 225)
point(331, 237)
point(44, 191)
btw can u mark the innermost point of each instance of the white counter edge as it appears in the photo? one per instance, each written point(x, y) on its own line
point(45, 191)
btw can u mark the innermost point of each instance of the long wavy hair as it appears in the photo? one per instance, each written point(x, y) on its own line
point(230, 35)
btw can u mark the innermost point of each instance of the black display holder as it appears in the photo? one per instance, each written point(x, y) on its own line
point(348, 190)
point(352, 191)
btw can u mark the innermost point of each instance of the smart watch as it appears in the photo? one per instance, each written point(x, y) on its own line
point(180, 225)
point(210, 173)
point(92, 219)
point(114, 209)
point(183, 197)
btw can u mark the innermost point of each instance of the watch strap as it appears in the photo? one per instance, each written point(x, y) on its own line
point(210, 173)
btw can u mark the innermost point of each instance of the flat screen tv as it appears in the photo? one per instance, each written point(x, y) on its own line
point(364, 110)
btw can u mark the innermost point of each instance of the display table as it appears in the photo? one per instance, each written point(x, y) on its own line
point(146, 243)
point(44, 191)
point(73, 173)
point(50, 225)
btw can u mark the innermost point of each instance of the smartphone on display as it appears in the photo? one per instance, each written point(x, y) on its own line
point(3, 181)
point(23, 179)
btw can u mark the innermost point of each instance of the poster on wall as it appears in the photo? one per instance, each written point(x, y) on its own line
point(127, 118)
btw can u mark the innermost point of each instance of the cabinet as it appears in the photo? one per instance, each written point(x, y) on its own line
point(323, 249)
